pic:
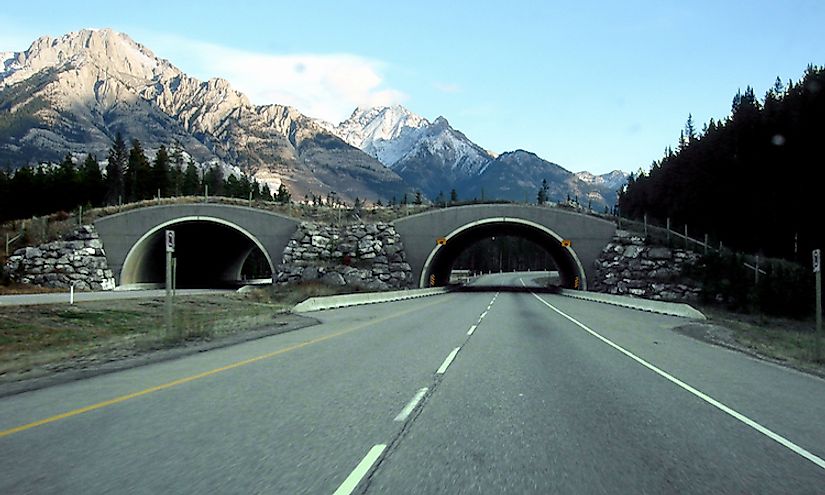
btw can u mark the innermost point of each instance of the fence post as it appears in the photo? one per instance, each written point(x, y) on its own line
point(645, 225)
point(756, 277)
point(686, 238)
point(668, 231)
point(706, 244)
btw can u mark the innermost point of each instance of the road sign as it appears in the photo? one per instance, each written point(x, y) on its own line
point(566, 243)
point(170, 241)
point(441, 241)
point(817, 260)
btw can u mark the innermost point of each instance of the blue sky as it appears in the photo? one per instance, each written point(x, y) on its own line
point(589, 85)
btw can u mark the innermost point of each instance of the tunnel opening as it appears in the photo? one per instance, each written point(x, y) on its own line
point(503, 246)
point(208, 254)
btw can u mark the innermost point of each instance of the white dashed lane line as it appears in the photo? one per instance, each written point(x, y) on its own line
point(472, 329)
point(361, 470)
point(447, 361)
point(410, 407)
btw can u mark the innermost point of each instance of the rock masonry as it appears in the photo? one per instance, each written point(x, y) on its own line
point(367, 256)
point(630, 267)
point(78, 259)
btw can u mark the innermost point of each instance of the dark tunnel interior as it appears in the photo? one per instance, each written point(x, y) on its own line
point(207, 254)
point(562, 260)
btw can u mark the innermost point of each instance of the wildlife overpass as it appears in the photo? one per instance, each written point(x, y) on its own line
point(223, 245)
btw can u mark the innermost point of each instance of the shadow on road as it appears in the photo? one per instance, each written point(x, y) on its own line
point(503, 288)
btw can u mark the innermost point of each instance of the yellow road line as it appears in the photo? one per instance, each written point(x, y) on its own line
point(181, 381)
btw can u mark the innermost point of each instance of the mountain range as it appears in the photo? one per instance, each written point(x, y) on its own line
point(74, 93)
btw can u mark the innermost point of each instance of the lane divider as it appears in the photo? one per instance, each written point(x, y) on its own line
point(710, 400)
point(361, 470)
point(472, 329)
point(410, 407)
point(192, 378)
point(447, 361)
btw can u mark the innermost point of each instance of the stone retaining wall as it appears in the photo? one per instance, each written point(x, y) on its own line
point(628, 266)
point(77, 259)
point(368, 256)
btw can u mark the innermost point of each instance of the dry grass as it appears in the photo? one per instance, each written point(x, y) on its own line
point(779, 339)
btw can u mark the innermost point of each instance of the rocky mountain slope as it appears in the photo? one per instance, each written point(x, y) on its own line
point(75, 92)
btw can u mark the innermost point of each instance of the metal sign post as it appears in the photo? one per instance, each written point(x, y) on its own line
point(817, 265)
point(169, 241)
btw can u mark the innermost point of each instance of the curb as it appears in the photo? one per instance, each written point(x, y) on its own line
point(347, 300)
point(661, 307)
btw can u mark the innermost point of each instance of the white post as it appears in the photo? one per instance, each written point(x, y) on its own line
point(756, 277)
point(71, 294)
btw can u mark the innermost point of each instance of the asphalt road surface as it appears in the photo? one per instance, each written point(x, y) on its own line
point(482, 392)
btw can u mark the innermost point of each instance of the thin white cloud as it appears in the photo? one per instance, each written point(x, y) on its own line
point(326, 86)
point(449, 88)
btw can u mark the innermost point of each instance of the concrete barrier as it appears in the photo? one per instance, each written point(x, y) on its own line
point(345, 300)
point(661, 307)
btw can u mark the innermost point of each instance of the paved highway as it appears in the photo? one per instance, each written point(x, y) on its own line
point(488, 392)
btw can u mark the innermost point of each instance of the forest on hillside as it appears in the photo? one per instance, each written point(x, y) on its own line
point(130, 176)
point(753, 180)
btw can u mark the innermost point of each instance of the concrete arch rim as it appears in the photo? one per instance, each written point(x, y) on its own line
point(190, 218)
point(427, 264)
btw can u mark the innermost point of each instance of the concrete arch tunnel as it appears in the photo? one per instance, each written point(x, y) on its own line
point(462, 226)
point(437, 268)
point(216, 245)
point(197, 267)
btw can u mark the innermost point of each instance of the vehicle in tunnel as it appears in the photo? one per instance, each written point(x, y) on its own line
point(208, 254)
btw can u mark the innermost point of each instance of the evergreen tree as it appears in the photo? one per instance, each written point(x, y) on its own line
point(283, 195)
point(191, 184)
point(161, 174)
point(138, 176)
point(418, 199)
point(177, 172)
point(214, 179)
point(541, 197)
point(91, 181)
point(453, 196)
point(266, 193)
point(115, 169)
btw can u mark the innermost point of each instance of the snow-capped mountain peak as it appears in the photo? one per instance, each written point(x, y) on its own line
point(611, 180)
point(367, 125)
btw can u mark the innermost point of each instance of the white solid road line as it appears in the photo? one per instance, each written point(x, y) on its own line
point(710, 400)
point(447, 361)
point(360, 471)
point(472, 329)
point(410, 407)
